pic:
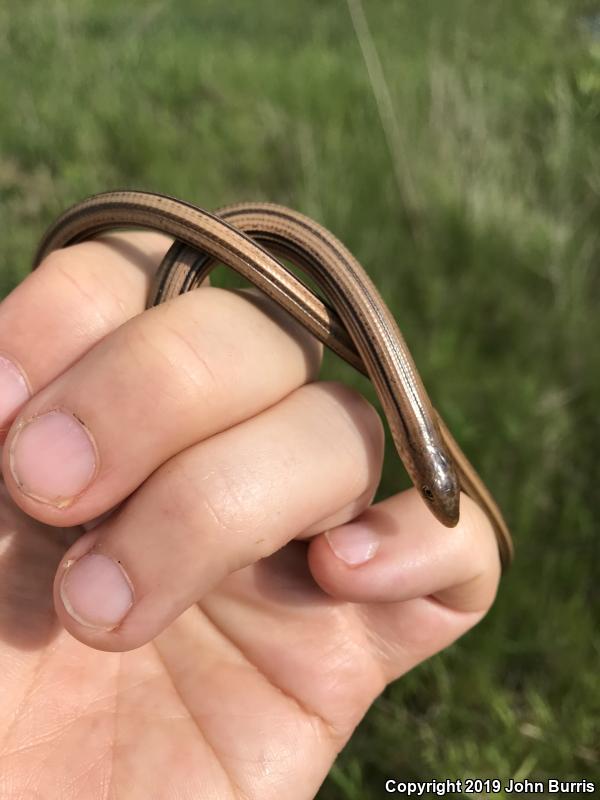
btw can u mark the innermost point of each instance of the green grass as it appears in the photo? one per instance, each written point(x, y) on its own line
point(478, 216)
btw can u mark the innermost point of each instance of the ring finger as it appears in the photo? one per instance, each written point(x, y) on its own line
point(312, 460)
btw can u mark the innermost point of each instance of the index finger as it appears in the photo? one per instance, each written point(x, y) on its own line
point(74, 298)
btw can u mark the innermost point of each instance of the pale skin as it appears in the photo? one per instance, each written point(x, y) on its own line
point(264, 602)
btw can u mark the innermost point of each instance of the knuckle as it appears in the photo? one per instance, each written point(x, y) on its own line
point(54, 260)
point(351, 399)
point(273, 312)
point(348, 407)
point(342, 417)
point(74, 281)
point(217, 500)
point(168, 359)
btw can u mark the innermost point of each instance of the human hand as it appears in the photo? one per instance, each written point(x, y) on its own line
point(244, 646)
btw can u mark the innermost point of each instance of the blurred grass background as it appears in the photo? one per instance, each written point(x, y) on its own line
point(465, 175)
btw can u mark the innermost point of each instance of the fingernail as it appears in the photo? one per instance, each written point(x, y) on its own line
point(354, 543)
point(14, 391)
point(96, 591)
point(53, 458)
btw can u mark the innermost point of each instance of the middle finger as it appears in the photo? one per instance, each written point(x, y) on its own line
point(160, 383)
